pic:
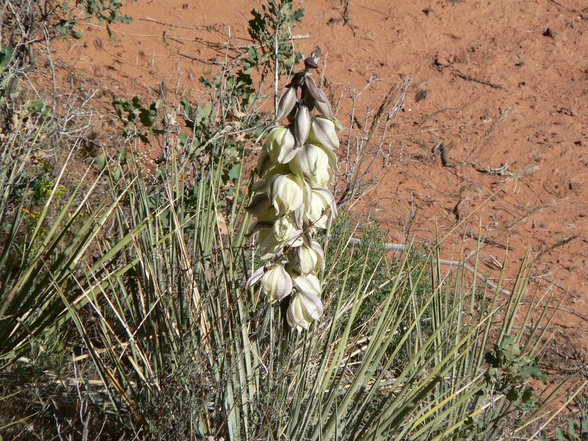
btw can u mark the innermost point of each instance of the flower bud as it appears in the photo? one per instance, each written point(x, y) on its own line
point(310, 62)
point(287, 103)
point(312, 89)
point(323, 106)
point(308, 101)
point(302, 125)
point(276, 283)
point(280, 145)
point(286, 193)
point(313, 164)
point(255, 277)
point(322, 131)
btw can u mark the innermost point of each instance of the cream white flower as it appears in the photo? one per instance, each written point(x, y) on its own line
point(263, 163)
point(323, 131)
point(308, 284)
point(321, 208)
point(313, 164)
point(286, 193)
point(303, 310)
point(292, 200)
point(280, 145)
point(268, 246)
point(276, 282)
point(286, 233)
point(270, 172)
point(262, 208)
point(307, 259)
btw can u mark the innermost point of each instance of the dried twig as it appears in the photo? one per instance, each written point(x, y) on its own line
point(374, 10)
point(488, 241)
point(559, 243)
point(351, 176)
point(500, 171)
point(387, 246)
point(403, 88)
point(354, 176)
point(477, 80)
point(429, 117)
point(566, 310)
point(488, 132)
point(405, 247)
point(202, 60)
point(173, 25)
point(534, 210)
point(441, 148)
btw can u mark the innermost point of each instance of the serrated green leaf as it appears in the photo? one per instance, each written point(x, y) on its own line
point(531, 371)
point(204, 112)
point(235, 171)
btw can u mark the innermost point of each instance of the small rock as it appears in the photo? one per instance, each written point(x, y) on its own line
point(420, 95)
point(575, 186)
point(566, 111)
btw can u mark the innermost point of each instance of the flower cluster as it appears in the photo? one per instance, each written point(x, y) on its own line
point(293, 200)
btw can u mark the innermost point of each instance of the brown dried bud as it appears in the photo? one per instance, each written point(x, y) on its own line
point(308, 100)
point(310, 62)
point(297, 80)
point(323, 106)
point(312, 88)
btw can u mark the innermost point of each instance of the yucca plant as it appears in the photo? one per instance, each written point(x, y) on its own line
point(403, 351)
point(47, 231)
point(173, 342)
point(144, 280)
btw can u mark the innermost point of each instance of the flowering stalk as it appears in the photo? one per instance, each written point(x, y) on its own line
point(293, 200)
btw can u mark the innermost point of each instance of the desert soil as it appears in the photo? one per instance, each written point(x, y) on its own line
point(502, 85)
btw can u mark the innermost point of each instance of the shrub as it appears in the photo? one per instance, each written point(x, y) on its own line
point(124, 298)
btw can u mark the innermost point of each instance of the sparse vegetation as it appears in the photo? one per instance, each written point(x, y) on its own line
point(124, 312)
